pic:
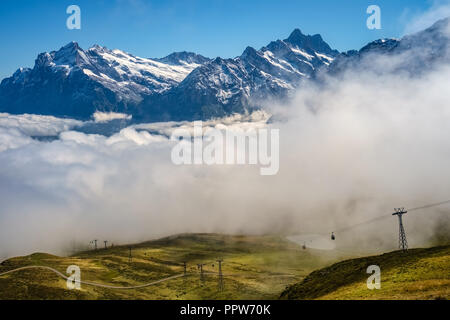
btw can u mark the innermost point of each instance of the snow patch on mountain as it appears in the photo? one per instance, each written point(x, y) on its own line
point(134, 76)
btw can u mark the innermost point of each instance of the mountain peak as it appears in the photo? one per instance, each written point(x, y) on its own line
point(309, 43)
point(296, 34)
point(179, 58)
point(71, 45)
point(249, 51)
point(97, 47)
point(297, 38)
point(71, 54)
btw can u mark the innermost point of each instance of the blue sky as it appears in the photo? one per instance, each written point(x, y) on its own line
point(155, 28)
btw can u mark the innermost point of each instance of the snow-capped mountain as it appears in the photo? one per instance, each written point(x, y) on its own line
point(186, 86)
point(74, 82)
point(130, 75)
point(224, 86)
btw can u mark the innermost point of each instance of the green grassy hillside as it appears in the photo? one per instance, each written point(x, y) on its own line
point(417, 274)
point(254, 268)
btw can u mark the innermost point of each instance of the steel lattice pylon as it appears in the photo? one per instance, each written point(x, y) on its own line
point(402, 242)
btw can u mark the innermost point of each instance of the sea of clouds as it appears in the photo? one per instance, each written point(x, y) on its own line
point(351, 149)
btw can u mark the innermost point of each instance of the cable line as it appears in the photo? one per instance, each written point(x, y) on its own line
point(430, 206)
point(389, 215)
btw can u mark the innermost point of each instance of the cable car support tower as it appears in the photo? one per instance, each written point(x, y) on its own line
point(402, 242)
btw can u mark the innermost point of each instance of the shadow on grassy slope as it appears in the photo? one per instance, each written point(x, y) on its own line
point(343, 274)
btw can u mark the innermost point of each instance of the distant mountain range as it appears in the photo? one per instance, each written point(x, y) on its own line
point(413, 54)
point(73, 82)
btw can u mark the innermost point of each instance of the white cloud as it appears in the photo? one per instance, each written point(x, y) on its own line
point(36, 125)
point(11, 138)
point(417, 22)
point(100, 117)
